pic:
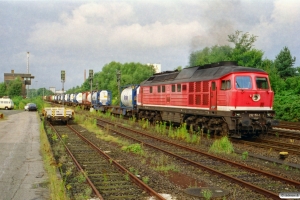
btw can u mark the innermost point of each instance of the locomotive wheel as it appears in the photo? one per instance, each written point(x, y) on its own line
point(225, 130)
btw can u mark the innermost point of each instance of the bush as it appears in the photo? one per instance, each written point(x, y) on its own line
point(222, 145)
point(287, 106)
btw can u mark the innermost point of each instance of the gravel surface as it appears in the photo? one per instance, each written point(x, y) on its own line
point(21, 167)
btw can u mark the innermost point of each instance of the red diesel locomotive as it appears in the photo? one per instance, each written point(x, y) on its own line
point(222, 97)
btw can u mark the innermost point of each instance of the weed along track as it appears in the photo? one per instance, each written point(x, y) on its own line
point(267, 184)
point(108, 179)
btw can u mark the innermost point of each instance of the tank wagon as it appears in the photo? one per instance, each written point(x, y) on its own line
point(221, 98)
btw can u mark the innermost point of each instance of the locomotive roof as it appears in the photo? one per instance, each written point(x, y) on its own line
point(199, 73)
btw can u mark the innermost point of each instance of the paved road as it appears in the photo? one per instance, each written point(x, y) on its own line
point(21, 167)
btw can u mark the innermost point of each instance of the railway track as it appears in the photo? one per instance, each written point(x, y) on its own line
point(289, 125)
point(107, 178)
point(285, 133)
point(259, 181)
point(271, 144)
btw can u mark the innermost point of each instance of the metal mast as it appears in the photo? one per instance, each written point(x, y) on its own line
point(27, 72)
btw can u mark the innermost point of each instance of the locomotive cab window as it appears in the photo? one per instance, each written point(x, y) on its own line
point(226, 85)
point(243, 82)
point(262, 83)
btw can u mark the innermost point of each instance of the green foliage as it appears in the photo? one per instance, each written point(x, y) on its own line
point(222, 145)
point(243, 42)
point(284, 63)
point(14, 88)
point(243, 51)
point(145, 179)
point(134, 148)
point(2, 89)
point(20, 102)
point(287, 106)
point(207, 194)
point(131, 73)
point(245, 155)
point(210, 55)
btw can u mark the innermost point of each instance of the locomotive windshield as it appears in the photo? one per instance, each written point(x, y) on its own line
point(243, 82)
point(262, 83)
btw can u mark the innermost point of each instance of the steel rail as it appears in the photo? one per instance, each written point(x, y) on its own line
point(137, 181)
point(273, 145)
point(295, 183)
point(97, 193)
point(285, 133)
point(249, 185)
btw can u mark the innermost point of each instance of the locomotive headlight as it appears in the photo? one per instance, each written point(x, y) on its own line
point(256, 97)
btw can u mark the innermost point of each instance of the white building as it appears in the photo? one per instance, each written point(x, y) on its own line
point(52, 89)
point(157, 67)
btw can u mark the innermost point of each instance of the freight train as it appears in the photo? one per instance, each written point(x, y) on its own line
point(222, 98)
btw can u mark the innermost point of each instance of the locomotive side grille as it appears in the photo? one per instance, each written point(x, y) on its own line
point(191, 87)
point(205, 99)
point(191, 99)
point(198, 86)
point(198, 99)
point(205, 86)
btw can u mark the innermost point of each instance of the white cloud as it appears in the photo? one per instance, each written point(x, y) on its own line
point(111, 26)
point(279, 29)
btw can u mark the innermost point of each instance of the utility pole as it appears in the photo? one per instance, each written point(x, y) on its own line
point(63, 78)
point(91, 74)
point(119, 82)
point(27, 73)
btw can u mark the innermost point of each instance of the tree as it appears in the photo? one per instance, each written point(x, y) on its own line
point(131, 73)
point(179, 68)
point(243, 51)
point(210, 55)
point(2, 89)
point(284, 63)
point(15, 88)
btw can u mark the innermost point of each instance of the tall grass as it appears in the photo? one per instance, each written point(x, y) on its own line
point(56, 185)
point(222, 145)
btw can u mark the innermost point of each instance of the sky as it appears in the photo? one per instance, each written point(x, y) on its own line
point(81, 35)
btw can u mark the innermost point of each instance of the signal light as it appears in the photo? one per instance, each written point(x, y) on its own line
point(63, 75)
point(91, 73)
